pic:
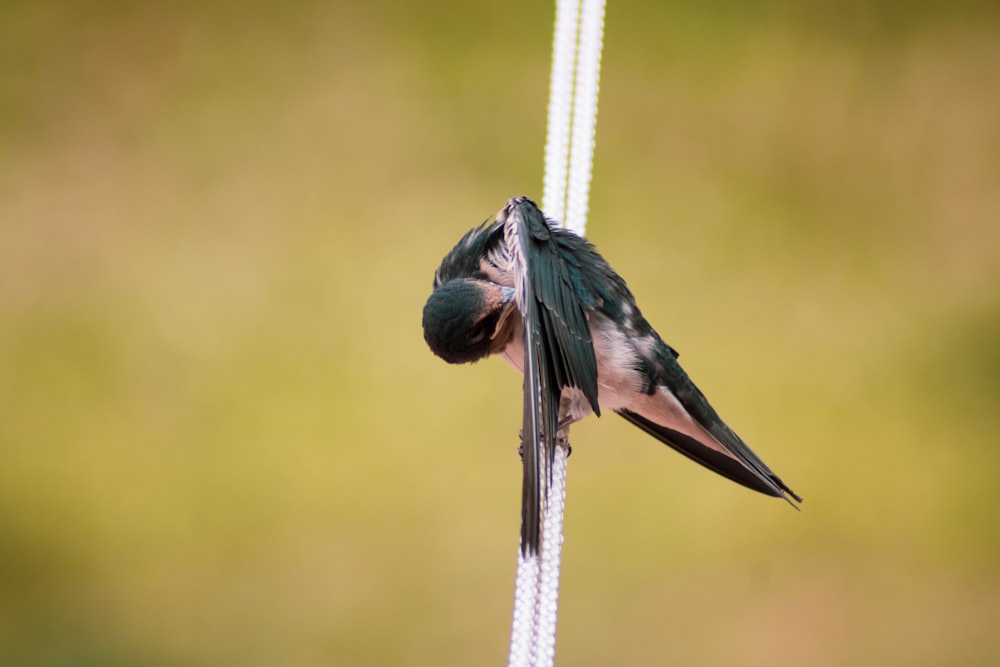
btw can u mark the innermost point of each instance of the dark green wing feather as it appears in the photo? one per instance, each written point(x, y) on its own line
point(463, 261)
point(559, 351)
point(743, 467)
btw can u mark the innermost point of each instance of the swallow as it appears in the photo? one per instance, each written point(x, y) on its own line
point(543, 299)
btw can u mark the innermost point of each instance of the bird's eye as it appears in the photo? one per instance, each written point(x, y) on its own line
point(478, 336)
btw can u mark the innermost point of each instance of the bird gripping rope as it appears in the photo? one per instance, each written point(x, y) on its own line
point(542, 298)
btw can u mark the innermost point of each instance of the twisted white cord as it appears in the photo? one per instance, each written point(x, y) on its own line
point(564, 49)
point(577, 43)
point(522, 635)
point(573, 91)
point(543, 651)
point(581, 158)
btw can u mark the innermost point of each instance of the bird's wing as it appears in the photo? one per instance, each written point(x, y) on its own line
point(465, 259)
point(558, 350)
point(679, 415)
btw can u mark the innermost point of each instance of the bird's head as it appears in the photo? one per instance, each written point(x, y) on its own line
point(462, 318)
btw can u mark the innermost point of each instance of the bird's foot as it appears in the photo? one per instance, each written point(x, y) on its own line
point(562, 440)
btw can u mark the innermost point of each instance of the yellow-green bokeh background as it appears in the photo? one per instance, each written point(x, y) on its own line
point(224, 442)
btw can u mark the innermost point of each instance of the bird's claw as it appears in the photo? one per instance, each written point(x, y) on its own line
point(562, 440)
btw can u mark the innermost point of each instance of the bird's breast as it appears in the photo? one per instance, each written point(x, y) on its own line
point(619, 383)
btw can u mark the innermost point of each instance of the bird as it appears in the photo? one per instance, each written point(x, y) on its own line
point(542, 298)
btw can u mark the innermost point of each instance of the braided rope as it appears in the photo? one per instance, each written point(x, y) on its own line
point(572, 114)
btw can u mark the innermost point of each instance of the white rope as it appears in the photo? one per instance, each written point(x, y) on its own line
point(543, 651)
point(588, 71)
point(564, 48)
point(573, 88)
point(522, 634)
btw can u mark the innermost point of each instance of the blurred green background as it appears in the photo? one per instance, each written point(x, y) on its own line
point(224, 442)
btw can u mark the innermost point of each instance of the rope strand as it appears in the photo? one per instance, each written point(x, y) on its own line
point(572, 114)
point(564, 50)
point(588, 71)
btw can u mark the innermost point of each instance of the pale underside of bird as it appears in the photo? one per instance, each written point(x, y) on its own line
point(544, 300)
